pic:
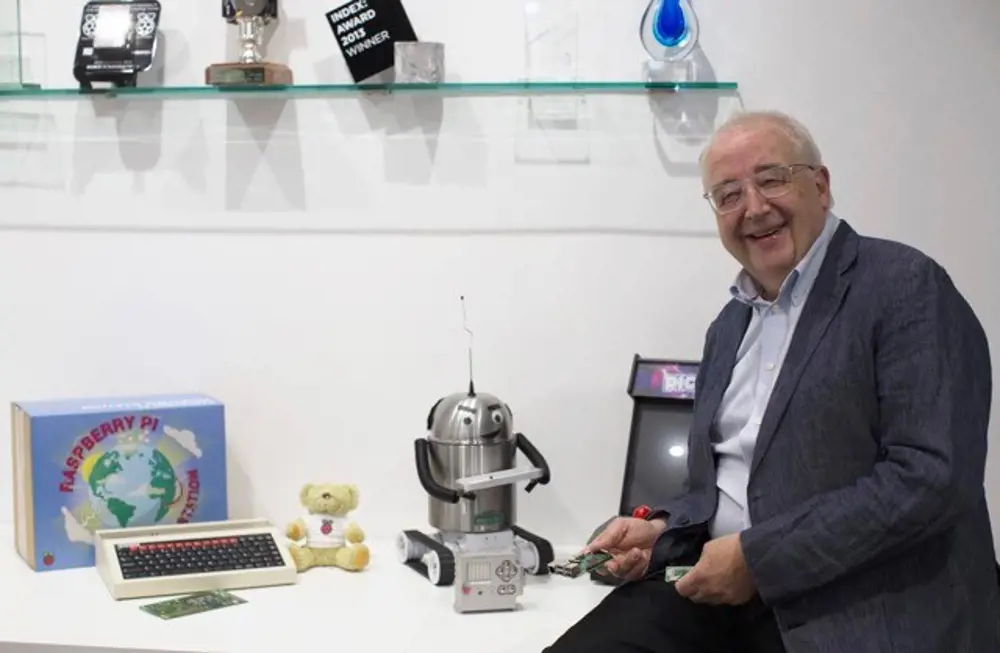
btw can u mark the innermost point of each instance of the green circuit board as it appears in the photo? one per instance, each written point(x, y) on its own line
point(192, 604)
point(580, 564)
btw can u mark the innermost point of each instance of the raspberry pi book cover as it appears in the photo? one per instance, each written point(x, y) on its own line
point(81, 465)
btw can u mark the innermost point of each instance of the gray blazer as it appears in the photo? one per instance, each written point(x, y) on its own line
point(870, 526)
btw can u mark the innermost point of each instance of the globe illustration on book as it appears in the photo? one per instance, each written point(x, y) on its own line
point(131, 484)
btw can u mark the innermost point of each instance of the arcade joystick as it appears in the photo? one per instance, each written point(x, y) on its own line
point(642, 512)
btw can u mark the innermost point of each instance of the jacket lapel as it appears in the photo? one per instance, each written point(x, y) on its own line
point(824, 301)
point(731, 328)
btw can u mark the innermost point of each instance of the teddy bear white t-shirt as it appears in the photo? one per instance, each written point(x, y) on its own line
point(325, 531)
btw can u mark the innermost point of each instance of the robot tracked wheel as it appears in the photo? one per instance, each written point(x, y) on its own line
point(434, 557)
point(427, 556)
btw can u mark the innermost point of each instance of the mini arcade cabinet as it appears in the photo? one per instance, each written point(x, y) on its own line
point(662, 392)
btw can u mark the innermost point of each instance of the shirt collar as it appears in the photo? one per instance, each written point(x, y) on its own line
point(799, 281)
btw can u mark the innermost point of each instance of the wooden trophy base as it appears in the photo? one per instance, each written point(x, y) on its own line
point(248, 74)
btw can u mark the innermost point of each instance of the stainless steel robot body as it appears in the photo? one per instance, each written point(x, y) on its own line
point(467, 464)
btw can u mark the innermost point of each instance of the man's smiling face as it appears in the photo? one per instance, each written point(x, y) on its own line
point(770, 203)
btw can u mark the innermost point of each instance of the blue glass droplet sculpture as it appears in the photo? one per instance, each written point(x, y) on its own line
point(669, 30)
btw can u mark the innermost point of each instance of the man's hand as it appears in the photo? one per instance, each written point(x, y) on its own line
point(721, 575)
point(630, 542)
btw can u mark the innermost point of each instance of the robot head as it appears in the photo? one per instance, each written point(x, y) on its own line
point(469, 418)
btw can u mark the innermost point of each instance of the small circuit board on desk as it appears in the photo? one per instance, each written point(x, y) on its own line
point(184, 606)
point(580, 564)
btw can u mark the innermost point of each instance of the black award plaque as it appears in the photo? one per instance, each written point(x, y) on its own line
point(366, 33)
point(117, 41)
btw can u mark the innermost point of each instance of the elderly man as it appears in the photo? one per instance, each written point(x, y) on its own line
point(835, 498)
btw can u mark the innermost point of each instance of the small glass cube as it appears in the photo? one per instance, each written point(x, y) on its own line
point(419, 62)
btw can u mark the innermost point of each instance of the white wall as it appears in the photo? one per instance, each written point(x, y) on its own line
point(329, 345)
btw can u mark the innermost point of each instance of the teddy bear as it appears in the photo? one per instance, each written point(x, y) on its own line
point(325, 537)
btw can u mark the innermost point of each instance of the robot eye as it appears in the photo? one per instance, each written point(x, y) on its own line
point(497, 417)
point(467, 421)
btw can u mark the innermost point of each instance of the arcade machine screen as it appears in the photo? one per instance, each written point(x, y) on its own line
point(656, 463)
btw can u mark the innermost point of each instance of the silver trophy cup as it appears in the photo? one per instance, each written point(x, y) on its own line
point(250, 68)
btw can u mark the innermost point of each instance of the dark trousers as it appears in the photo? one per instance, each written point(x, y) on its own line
point(651, 617)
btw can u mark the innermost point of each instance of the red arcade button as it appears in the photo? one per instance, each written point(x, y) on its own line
point(642, 512)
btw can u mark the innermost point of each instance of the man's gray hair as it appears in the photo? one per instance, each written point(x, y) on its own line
point(805, 147)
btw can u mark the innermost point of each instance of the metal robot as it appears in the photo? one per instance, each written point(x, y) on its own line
point(466, 464)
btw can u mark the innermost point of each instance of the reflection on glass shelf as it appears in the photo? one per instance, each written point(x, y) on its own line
point(13, 88)
point(345, 89)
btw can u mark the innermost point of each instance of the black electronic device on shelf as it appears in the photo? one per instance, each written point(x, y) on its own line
point(117, 41)
point(662, 391)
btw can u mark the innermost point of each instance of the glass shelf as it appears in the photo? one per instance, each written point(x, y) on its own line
point(458, 88)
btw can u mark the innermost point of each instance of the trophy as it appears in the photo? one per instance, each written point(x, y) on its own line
point(117, 40)
point(251, 16)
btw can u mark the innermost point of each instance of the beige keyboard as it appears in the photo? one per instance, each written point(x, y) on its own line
point(184, 558)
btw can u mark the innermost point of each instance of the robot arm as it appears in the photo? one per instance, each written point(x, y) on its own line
point(537, 473)
point(535, 457)
point(432, 487)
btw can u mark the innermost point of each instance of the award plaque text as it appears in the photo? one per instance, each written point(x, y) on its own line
point(366, 33)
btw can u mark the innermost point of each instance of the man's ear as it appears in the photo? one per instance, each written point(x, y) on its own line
point(823, 186)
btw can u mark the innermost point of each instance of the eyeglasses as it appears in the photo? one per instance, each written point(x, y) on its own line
point(770, 182)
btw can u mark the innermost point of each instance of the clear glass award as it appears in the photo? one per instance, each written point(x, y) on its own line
point(552, 54)
point(549, 129)
point(11, 49)
point(250, 67)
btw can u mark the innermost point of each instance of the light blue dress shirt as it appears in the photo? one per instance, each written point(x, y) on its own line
point(758, 362)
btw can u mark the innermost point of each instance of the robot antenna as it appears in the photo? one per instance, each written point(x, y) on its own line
point(472, 386)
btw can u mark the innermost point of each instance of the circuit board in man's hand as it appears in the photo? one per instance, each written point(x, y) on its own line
point(580, 564)
point(674, 574)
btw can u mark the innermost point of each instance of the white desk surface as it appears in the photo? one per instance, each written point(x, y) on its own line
point(388, 607)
